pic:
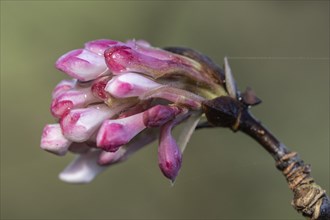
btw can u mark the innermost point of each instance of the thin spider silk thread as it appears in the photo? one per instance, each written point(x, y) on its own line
point(276, 58)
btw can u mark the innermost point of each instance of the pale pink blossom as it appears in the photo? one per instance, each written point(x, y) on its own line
point(130, 85)
point(83, 64)
point(122, 97)
point(53, 140)
point(70, 99)
point(79, 124)
point(63, 86)
point(118, 132)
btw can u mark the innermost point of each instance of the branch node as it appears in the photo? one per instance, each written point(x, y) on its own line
point(308, 197)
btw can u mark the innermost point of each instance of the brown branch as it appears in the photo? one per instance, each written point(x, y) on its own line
point(309, 198)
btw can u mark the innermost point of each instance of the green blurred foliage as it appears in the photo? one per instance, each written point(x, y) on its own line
point(225, 175)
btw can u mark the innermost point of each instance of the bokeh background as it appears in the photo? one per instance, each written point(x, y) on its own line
point(280, 48)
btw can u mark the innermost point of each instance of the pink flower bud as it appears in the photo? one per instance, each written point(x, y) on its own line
point(82, 64)
point(125, 59)
point(118, 57)
point(98, 88)
point(83, 169)
point(153, 62)
point(141, 140)
point(121, 97)
point(74, 98)
point(52, 140)
point(145, 48)
point(130, 85)
point(159, 115)
point(99, 46)
point(169, 154)
point(63, 86)
point(115, 133)
point(79, 124)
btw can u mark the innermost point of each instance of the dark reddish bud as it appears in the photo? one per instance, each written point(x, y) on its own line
point(98, 88)
point(159, 115)
point(117, 57)
point(223, 111)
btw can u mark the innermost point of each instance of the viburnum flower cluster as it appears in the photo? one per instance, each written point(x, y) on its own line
point(122, 97)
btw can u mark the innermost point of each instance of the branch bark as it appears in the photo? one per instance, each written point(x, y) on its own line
point(308, 197)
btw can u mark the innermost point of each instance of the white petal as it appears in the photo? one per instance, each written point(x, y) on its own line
point(99, 46)
point(82, 64)
point(79, 124)
point(83, 169)
point(74, 98)
point(130, 85)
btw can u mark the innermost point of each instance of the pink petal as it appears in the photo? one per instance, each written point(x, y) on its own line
point(107, 158)
point(82, 64)
point(141, 140)
point(118, 58)
point(74, 98)
point(98, 88)
point(130, 85)
point(159, 115)
point(169, 154)
point(63, 86)
point(176, 96)
point(123, 58)
point(145, 48)
point(83, 169)
point(52, 140)
point(115, 133)
point(153, 62)
point(79, 124)
point(99, 46)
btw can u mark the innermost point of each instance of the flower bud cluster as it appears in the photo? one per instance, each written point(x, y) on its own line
point(122, 97)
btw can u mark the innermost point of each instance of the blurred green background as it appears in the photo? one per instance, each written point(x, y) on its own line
point(225, 175)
